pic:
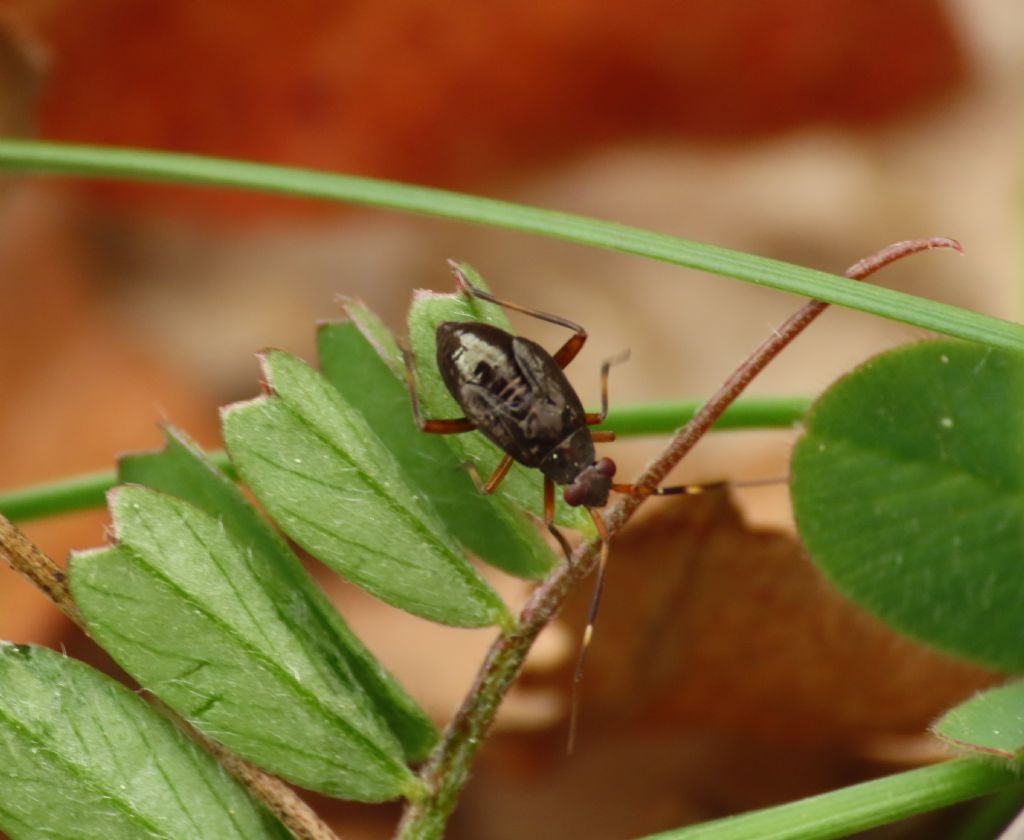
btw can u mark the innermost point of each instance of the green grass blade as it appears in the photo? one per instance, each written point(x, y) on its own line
point(84, 758)
point(89, 490)
point(857, 808)
point(142, 165)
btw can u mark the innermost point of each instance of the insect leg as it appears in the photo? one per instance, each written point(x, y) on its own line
point(565, 354)
point(450, 426)
point(603, 436)
point(549, 518)
point(606, 365)
point(498, 476)
point(588, 632)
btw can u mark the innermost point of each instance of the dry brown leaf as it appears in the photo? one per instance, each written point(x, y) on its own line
point(707, 623)
point(449, 94)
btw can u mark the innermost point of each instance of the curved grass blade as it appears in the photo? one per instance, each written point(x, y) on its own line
point(84, 758)
point(990, 723)
point(182, 470)
point(522, 485)
point(908, 490)
point(368, 376)
point(328, 481)
point(175, 167)
point(179, 606)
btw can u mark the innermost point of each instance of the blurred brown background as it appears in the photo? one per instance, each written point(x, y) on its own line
point(814, 132)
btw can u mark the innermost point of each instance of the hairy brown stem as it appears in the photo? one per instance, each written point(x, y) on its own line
point(447, 770)
point(26, 558)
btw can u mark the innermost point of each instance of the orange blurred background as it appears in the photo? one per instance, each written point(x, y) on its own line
point(814, 132)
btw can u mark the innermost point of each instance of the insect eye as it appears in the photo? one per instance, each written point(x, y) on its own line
point(574, 495)
point(605, 467)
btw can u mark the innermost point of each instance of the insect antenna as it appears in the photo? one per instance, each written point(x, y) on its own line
point(588, 632)
point(694, 489)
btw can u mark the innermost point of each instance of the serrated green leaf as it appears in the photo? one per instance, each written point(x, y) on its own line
point(991, 722)
point(182, 470)
point(84, 758)
point(492, 528)
point(522, 485)
point(332, 486)
point(179, 606)
point(908, 490)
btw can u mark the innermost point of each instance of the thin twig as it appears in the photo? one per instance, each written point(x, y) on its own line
point(447, 770)
point(26, 558)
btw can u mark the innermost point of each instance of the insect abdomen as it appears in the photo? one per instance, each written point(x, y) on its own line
point(510, 389)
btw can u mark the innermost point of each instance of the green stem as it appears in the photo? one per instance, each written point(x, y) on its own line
point(67, 495)
point(136, 164)
point(82, 492)
point(860, 807)
point(659, 418)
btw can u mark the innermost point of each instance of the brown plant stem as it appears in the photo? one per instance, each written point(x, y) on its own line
point(447, 770)
point(26, 558)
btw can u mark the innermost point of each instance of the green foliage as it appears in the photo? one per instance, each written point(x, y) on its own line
point(177, 603)
point(908, 490)
point(491, 527)
point(83, 757)
point(907, 487)
point(320, 471)
point(183, 471)
point(991, 723)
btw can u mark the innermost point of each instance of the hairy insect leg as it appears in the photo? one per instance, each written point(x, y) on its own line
point(497, 476)
point(549, 518)
point(588, 632)
point(606, 365)
point(603, 436)
point(488, 487)
point(565, 354)
point(451, 426)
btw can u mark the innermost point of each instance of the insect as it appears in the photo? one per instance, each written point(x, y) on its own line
point(515, 393)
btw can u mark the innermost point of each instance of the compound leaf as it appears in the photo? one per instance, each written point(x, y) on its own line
point(180, 607)
point(84, 758)
point(328, 481)
point(370, 376)
point(182, 470)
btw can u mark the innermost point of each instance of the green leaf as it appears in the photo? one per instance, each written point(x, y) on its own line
point(332, 486)
point(908, 490)
point(490, 527)
point(178, 604)
point(991, 722)
point(84, 758)
point(522, 485)
point(182, 470)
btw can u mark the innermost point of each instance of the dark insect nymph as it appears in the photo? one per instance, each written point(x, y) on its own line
point(516, 395)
